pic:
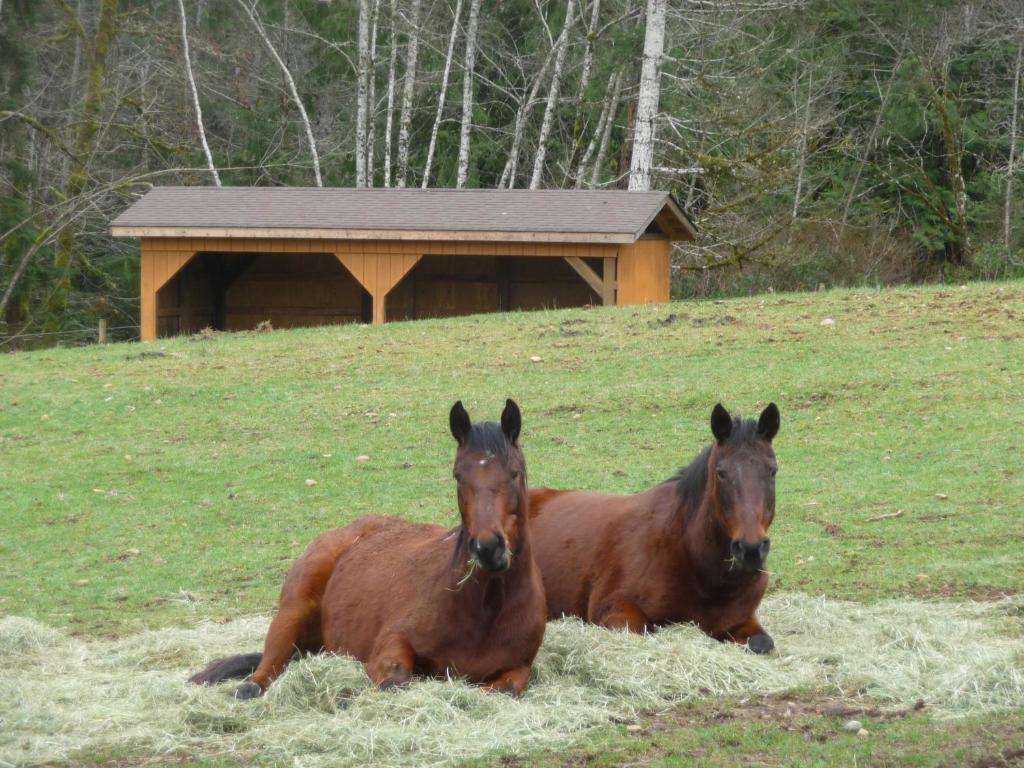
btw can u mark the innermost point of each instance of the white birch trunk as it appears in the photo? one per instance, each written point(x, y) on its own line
point(549, 111)
point(251, 11)
point(371, 99)
point(467, 93)
point(441, 95)
point(802, 156)
point(588, 51)
point(363, 37)
point(595, 137)
point(1008, 204)
point(606, 137)
point(408, 91)
point(389, 120)
point(650, 94)
point(195, 95)
point(508, 174)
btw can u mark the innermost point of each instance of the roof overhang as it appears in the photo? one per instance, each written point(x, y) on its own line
point(258, 233)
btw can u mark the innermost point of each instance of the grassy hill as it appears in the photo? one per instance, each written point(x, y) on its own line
point(153, 485)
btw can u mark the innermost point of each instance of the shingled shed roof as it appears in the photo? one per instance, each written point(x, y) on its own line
point(580, 216)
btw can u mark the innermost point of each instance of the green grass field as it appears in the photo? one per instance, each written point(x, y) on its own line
point(146, 486)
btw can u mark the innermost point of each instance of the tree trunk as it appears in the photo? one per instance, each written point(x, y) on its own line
point(508, 174)
point(610, 94)
point(562, 47)
point(953, 155)
point(389, 120)
point(467, 93)
point(606, 136)
point(251, 12)
point(441, 95)
point(363, 36)
point(371, 99)
point(648, 99)
point(801, 162)
point(106, 32)
point(579, 122)
point(408, 91)
point(872, 138)
point(1008, 203)
point(195, 95)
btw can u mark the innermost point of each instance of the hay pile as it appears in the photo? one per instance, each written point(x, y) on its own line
point(60, 696)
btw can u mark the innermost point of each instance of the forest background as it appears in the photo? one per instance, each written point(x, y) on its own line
point(814, 144)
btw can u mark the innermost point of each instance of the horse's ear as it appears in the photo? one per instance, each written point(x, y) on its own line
point(768, 424)
point(459, 423)
point(511, 421)
point(721, 423)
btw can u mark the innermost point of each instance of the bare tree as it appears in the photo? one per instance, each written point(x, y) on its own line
point(371, 98)
point(408, 91)
point(562, 47)
point(467, 93)
point(254, 17)
point(607, 115)
point(1008, 203)
point(389, 120)
point(606, 135)
point(508, 174)
point(85, 137)
point(195, 95)
point(362, 75)
point(441, 95)
point(649, 97)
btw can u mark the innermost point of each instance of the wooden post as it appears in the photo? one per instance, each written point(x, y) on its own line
point(379, 301)
point(609, 281)
point(147, 295)
point(102, 332)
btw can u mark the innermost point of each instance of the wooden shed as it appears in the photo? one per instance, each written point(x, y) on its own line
point(231, 257)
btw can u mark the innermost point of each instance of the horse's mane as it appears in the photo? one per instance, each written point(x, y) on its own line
point(692, 479)
point(487, 437)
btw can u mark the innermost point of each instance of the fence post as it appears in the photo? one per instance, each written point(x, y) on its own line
point(103, 331)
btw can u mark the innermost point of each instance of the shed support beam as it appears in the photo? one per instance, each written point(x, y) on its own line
point(156, 268)
point(378, 273)
point(603, 286)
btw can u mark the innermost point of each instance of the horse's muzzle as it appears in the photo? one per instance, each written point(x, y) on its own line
point(491, 554)
point(749, 557)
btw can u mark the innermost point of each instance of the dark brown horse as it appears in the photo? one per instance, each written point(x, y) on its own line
point(691, 549)
point(406, 598)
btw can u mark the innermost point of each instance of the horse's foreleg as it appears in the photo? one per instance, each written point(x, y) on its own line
point(289, 633)
point(512, 682)
point(391, 662)
point(622, 614)
point(751, 634)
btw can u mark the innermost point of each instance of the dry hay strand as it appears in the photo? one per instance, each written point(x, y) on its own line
point(61, 697)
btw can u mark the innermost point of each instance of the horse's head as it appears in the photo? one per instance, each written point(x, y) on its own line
point(742, 469)
point(491, 475)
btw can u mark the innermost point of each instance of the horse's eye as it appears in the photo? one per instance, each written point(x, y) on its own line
point(457, 476)
point(515, 474)
point(721, 473)
point(774, 471)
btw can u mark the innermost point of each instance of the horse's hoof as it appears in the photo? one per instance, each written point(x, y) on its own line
point(761, 643)
point(248, 691)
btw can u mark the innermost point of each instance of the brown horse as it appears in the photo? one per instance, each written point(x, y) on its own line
point(406, 598)
point(691, 549)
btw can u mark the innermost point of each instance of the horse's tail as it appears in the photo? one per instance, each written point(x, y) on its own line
point(231, 668)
